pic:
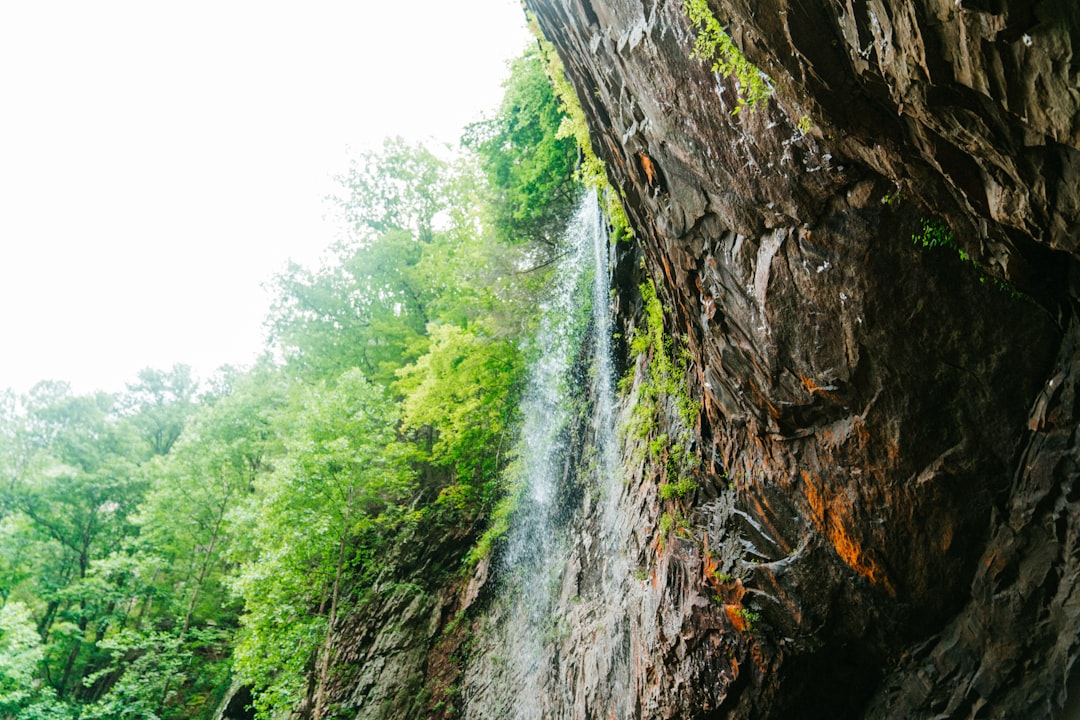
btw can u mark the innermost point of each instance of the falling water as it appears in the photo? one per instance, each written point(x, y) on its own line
point(548, 403)
point(604, 369)
point(573, 373)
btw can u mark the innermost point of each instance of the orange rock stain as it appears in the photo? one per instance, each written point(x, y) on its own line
point(827, 516)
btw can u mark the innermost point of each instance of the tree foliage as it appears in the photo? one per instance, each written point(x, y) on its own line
point(401, 187)
point(464, 389)
point(529, 165)
point(343, 474)
point(20, 653)
point(369, 307)
point(159, 403)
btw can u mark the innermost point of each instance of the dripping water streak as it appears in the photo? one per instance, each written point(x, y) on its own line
point(604, 410)
point(608, 604)
point(547, 404)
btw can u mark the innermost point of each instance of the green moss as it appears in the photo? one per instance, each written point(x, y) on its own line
point(722, 577)
point(664, 383)
point(713, 44)
point(657, 444)
point(667, 522)
point(673, 521)
point(667, 369)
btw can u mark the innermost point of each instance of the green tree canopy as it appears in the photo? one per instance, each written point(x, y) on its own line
point(321, 514)
point(465, 389)
point(530, 168)
point(159, 404)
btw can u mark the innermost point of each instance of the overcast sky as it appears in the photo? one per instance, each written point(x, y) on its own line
point(160, 161)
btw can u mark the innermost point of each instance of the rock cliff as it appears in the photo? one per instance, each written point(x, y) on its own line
point(875, 277)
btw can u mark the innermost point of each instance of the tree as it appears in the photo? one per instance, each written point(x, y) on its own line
point(366, 311)
point(159, 404)
point(465, 388)
point(20, 653)
point(403, 187)
point(211, 468)
point(161, 674)
point(530, 167)
point(323, 513)
point(76, 489)
point(369, 308)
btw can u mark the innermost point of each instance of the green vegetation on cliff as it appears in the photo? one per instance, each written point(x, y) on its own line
point(664, 383)
point(157, 544)
point(713, 45)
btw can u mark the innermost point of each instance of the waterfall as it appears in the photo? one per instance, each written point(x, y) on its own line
point(552, 386)
point(567, 460)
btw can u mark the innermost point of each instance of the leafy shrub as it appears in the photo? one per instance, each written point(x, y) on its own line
point(936, 233)
point(713, 44)
point(683, 487)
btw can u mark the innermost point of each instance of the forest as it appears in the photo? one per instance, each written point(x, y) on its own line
point(161, 544)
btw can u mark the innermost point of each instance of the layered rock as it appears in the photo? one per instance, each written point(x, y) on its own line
point(888, 438)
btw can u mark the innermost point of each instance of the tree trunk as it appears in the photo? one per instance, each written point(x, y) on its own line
point(205, 566)
point(69, 666)
point(324, 661)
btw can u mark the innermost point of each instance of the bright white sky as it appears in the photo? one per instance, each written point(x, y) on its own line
point(159, 162)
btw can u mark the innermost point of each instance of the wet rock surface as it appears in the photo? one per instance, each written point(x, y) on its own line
point(395, 654)
point(888, 436)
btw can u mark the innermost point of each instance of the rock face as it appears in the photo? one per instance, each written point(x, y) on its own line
point(887, 449)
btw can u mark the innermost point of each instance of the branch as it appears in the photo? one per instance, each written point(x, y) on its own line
point(544, 264)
